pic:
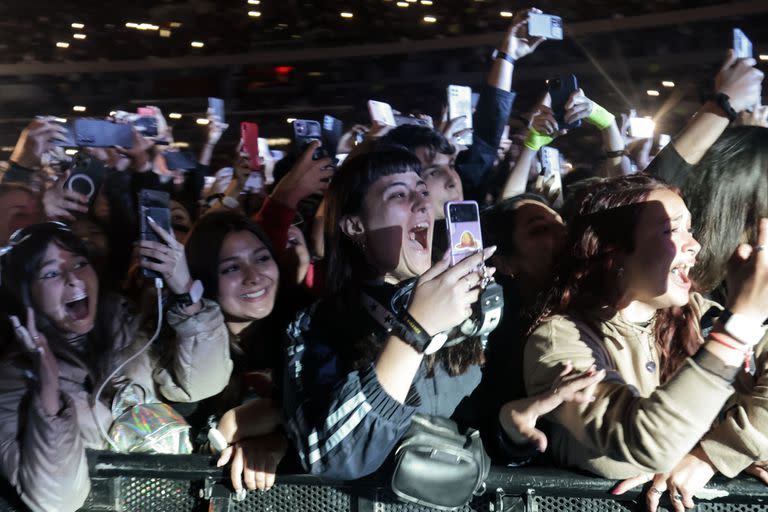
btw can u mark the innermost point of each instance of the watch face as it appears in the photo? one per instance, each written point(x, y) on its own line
point(436, 344)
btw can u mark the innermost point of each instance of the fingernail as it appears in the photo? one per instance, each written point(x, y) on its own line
point(150, 219)
point(615, 492)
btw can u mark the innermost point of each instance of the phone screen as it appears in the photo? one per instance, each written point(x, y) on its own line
point(560, 89)
point(741, 44)
point(216, 106)
point(545, 25)
point(462, 220)
point(381, 113)
point(460, 105)
point(153, 203)
point(641, 128)
point(550, 161)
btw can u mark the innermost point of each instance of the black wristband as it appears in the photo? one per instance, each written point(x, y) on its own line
point(723, 101)
point(412, 332)
point(498, 54)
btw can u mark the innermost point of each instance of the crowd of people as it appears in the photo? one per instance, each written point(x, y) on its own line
point(631, 343)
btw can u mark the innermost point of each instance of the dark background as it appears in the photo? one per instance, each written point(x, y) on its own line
point(302, 59)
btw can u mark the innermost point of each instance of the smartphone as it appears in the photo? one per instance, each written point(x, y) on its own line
point(331, 134)
point(460, 105)
point(304, 132)
point(153, 203)
point(86, 175)
point(401, 120)
point(550, 161)
point(741, 45)
point(255, 183)
point(180, 160)
point(98, 133)
point(560, 89)
point(475, 99)
point(381, 113)
point(545, 25)
point(641, 128)
point(249, 135)
point(216, 107)
point(462, 221)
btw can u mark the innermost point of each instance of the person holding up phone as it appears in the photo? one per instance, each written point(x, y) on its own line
point(71, 337)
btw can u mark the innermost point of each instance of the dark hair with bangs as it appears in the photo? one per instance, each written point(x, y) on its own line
point(19, 269)
point(346, 262)
point(205, 241)
point(412, 136)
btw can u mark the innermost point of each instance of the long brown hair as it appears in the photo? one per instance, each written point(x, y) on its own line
point(588, 276)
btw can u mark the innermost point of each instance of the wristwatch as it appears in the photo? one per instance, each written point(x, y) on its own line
point(498, 54)
point(184, 300)
point(411, 332)
point(723, 101)
point(741, 327)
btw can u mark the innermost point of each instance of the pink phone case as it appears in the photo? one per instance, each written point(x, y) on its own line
point(462, 220)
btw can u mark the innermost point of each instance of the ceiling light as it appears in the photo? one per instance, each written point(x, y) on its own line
point(201, 120)
point(78, 26)
point(315, 73)
point(254, 2)
point(60, 119)
point(426, 2)
point(652, 92)
point(668, 83)
point(429, 19)
point(70, 152)
point(79, 36)
point(505, 14)
point(279, 141)
point(141, 26)
point(346, 15)
point(7, 149)
point(254, 14)
point(763, 57)
point(403, 4)
point(62, 44)
point(78, 108)
point(197, 44)
point(175, 24)
point(165, 33)
point(181, 144)
point(174, 115)
point(290, 120)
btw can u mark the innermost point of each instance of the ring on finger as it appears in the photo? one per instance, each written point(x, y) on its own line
point(678, 497)
point(36, 337)
point(759, 248)
point(654, 490)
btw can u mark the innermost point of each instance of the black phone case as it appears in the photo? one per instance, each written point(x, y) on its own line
point(560, 89)
point(331, 134)
point(153, 203)
point(183, 160)
point(85, 177)
point(304, 132)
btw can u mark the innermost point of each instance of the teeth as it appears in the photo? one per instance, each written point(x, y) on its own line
point(77, 298)
point(254, 295)
point(412, 236)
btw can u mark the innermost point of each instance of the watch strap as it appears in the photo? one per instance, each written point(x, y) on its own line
point(194, 294)
point(723, 101)
point(498, 54)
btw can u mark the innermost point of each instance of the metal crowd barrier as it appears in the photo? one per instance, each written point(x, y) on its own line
point(192, 483)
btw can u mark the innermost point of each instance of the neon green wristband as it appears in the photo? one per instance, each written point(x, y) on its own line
point(600, 117)
point(536, 140)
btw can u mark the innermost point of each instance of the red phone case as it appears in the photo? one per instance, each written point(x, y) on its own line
point(249, 134)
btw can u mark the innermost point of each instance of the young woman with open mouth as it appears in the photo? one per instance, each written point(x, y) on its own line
point(623, 302)
point(72, 338)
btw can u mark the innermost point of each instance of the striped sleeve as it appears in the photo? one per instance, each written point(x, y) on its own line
point(343, 424)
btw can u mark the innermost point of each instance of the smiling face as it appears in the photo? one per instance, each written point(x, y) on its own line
point(442, 180)
point(396, 222)
point(248, 277)
point(65, 290)
point(656, 272)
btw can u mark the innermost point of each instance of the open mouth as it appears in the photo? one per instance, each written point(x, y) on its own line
point(254, 296)
point(680, 274)
point(419, 234)
point(77, 308)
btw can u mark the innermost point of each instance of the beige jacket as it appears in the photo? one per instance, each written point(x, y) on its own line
point(634, 425)
point(43, 456)
point(741, 434)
